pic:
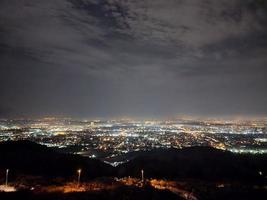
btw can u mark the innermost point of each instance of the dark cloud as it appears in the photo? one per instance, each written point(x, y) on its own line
point(94, 58)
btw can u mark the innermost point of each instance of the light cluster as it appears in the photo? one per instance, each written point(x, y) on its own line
point(112, 139)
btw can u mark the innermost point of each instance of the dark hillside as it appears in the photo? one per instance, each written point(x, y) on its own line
point(31, 158)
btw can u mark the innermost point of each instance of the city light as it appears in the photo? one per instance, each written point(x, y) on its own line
point(108, 139)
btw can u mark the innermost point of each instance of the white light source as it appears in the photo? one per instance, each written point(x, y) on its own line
point(79, 176)
point(7, 176)
point(142, 174)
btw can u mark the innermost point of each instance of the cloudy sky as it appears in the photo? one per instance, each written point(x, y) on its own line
point(149, 58)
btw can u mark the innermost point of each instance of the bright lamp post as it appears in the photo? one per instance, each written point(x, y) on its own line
point(142, 175)
point(7, 176)
point(79, 176)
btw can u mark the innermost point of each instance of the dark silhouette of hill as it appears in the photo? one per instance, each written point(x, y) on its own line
point(196, 162)
point(35, 159)
point(240, 172)
point(205, 163)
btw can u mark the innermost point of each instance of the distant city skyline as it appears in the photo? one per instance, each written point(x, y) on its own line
point(117, 137)
point(144, 59)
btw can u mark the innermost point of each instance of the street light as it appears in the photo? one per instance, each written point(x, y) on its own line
point(7, 176)
point(79, 176)
point(142, 174)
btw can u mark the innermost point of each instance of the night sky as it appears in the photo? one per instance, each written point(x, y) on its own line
point(140, 58)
